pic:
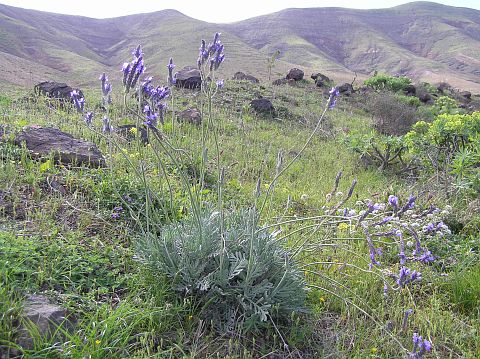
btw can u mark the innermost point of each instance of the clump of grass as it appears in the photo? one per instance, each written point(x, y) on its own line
point(464, 290)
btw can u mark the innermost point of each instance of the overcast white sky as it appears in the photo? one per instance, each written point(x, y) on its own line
point(207, 10)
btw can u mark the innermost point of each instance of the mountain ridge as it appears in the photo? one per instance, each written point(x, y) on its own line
point(423, 40)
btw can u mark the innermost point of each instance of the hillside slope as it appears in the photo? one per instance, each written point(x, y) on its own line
point(426, 41)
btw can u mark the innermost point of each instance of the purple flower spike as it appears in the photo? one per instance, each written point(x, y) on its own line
point(88, 118)
point(393, 201)
point(137, 52)
point(170, 67)
point(78, 100)
point(332, 100)
point(107, 127)
point(220, 84)
point(420, 347)
point(407, 276)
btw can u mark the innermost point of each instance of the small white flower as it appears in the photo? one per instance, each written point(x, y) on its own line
point(339, 194)
point(448, 207)
point(429, 215)
point(409, 244)
point(304, 197)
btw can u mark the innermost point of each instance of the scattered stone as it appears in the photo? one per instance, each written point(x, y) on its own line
point(467, 95)
point(245, 77)
point(295, 74)
point(346, 89)
point(56, 90)
point(410, 90)
point(129, 132)
point(444, 87)
point(280, 82)
point(42, 141)
point(262, 105)
point(321, 80)
point(46, 317)
point(52, 185)
point(191, 115)
point(189, 77)
point(426, 98)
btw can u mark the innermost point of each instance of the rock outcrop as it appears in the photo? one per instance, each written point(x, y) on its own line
point(66, 149)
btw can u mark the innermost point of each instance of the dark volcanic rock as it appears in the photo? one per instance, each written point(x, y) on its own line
point(295, 74)
point(262, 105)
point(467, 95)
point(57, 90)
point(46, 317)
point(444, 88)
point(425, 97)
point(245, 77)
point(190, 115)
point(346, 89)
point(189, 77)
point(129, 133)
point(410, 90)
point(320, 79)
point(65, 148)
point(279, 82)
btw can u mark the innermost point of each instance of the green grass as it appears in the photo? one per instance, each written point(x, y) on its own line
point(66, 245)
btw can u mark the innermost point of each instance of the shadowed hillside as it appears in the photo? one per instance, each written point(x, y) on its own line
point(423, 40)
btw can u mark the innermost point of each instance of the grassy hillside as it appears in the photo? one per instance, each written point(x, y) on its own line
point(425, 41)
point(63, 235)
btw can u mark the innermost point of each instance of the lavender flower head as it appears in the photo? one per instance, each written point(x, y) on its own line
point(393, 201)
point(107, 127)
point(170, 67)
point(420, 346)
point(220, 84)
point(78, 100)
point(151, 116)
point(88, 118)
point(332, 100)
point(212, 54)
point(407, 276)
point(106, 89)
point(133, 70)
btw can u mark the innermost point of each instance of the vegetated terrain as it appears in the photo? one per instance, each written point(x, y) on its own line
point(325, 227)
point(425, 41)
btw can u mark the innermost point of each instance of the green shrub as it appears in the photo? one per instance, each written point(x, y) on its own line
point(446, 105)
point(381, 150)
point(392, 83)
point(450, 144)
point(236, 272)
point(409, 100)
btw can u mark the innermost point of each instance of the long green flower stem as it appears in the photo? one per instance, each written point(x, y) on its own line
point(284, 169)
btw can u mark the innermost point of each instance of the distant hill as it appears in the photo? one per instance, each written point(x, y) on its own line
point(423, 40)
